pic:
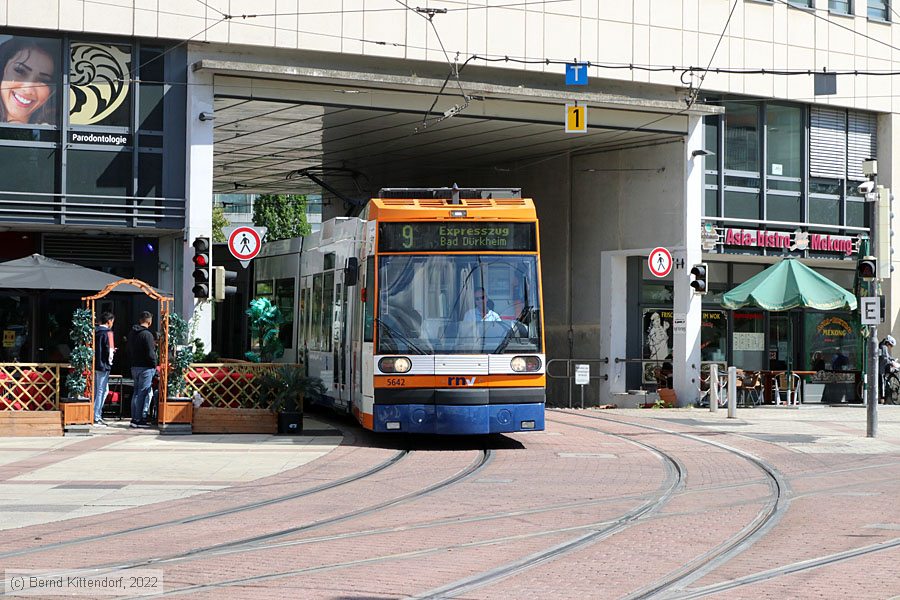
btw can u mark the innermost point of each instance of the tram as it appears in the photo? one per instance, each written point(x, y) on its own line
point(423, 315)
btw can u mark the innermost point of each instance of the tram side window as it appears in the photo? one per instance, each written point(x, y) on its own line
point(315, 327)
point(303, 315)
point(284, 300)
point(369, 309)
point(326, 316)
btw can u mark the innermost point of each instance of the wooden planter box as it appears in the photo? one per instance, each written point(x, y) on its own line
point(76, 413)
point(234, 420)
point(31, 423)
point(179, 411)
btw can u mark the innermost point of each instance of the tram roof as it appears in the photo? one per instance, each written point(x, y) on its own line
point(439, 209)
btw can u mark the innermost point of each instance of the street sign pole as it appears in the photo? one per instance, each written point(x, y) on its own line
point(873, 377)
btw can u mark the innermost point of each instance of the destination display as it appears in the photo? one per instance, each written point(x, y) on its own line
point(456, 236)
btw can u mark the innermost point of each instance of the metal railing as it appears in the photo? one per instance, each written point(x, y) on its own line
point(31, 386)
point(569, 375)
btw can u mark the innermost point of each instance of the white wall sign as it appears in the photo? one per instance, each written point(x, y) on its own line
point(870, 310)
point(582, 374)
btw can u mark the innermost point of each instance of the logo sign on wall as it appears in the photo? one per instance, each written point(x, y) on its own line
point(660, 262)
point(244, 242)
point(99, 77)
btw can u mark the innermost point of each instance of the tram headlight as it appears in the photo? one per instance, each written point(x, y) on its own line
point(525, 364)
point(394, 364)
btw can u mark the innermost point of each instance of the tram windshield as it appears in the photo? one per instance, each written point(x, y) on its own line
point(458, 304)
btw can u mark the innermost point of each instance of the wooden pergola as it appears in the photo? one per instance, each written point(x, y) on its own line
point(165, 305)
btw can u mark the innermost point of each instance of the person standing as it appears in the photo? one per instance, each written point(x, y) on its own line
point(142, 351)
point(104, 349)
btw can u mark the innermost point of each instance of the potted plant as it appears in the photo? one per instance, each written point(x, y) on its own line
point(182, 356)
point(77, 406)
point(284, 391)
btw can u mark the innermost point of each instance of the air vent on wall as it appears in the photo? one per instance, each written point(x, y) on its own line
point(88, 248)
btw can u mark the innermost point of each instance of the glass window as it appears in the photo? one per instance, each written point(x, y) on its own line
point(742, 272)
point(493, 305)
point(150, 175)
point(832, 344)
point(316, 307)
point(802, 3)
point(826, 211)
point(325, 319)
point(878, 9)
point(839, 6)
point(100, 84)
point(741, 205)
point(98, 173)
point(151, 94)
point(710, 203)
point(714, 335)
point(30, 80)
point(856, 214)
point(302, 312)
point(369, 308)
point(749, 340)
point(15, 319)
point(783, 208)
point(284, 300)
point(741, 137)
point(784, 140)
point(27, 170)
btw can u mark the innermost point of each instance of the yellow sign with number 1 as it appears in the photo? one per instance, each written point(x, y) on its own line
point(576, 118)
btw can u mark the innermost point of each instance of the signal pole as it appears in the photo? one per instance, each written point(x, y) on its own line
point(870, 170)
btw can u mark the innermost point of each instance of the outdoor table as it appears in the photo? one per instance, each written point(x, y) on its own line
point(770, 375)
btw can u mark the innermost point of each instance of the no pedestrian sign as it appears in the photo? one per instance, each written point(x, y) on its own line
point(244, 243)
point(660, 262)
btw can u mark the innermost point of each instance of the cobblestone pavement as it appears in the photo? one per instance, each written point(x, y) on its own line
point(604, 504)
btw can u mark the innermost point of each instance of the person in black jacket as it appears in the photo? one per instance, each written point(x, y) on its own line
point(104, 349)
point(142, 351)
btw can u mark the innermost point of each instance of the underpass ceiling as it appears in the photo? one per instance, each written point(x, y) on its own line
point(262, 144)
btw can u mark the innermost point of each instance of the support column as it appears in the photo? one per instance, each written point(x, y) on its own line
point(614, 322)
point(199, 197)
point(888, 166)
point(687, 304)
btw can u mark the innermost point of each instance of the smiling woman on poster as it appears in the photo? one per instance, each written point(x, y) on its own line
point(27, 81)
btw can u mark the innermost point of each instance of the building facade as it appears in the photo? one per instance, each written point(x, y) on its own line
point(707, 133)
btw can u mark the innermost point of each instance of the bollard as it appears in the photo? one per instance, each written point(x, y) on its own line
point(732, 392)
point(713, 387)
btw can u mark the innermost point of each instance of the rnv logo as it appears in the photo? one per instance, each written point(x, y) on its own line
point(461, 381)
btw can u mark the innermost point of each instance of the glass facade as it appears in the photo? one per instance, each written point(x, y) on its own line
point(784, 165)
point(83, 132)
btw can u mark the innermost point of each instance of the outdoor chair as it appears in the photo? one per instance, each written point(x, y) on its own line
point(780, 389)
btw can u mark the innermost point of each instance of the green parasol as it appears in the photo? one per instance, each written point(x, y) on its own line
point(786, 285)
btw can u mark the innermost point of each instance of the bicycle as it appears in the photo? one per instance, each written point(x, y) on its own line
point(892, 388)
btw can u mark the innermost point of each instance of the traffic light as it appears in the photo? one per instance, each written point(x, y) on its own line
point(220, 278)
point(698, 272)
point(867, 268)
point(201, 268)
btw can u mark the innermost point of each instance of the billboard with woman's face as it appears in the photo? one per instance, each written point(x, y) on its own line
point(30, 80)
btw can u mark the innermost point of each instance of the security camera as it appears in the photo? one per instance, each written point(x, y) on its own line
point(866, 187)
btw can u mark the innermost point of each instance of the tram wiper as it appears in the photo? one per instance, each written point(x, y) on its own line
point(399, 336)
point(513, 329)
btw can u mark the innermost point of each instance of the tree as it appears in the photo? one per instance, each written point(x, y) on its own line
point(283, 214)
point(219, 222)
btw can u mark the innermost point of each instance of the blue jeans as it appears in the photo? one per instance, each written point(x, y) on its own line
point(101, 387)
point(143, 380)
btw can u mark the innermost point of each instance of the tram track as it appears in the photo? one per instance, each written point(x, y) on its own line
point(355, 477)
point(254, 542)
point(693, 570)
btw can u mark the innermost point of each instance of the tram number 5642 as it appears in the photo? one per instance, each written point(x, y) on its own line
point(396, 381)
